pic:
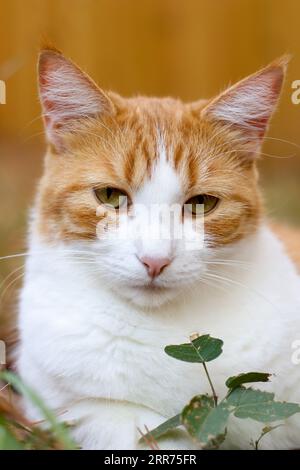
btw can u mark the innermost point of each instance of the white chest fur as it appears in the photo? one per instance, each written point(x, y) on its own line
point(81, 342)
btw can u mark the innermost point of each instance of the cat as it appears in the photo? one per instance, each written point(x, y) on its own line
point(98, 307)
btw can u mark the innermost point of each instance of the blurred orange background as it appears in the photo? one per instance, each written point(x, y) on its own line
point(186, 48)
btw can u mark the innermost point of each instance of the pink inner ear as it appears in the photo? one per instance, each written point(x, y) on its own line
point(67, 94)
point(259, 124)
point(249, 104)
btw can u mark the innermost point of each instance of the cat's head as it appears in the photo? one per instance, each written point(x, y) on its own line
point(154, 153)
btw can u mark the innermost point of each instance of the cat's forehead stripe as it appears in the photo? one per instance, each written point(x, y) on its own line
point(163, 184)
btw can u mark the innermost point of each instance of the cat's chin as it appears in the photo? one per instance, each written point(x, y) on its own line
point(148, 296)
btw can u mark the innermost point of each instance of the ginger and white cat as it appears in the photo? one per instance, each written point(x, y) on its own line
point(96, 310)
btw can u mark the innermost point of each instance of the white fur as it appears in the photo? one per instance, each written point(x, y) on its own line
point(92, 335)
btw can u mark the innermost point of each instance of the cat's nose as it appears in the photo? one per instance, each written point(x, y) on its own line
point(155, 266)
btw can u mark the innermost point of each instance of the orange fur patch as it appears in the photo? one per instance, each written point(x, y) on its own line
point(121, 151)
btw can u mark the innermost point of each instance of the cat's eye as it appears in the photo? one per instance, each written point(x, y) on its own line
point(111, 197)
point(203, 203)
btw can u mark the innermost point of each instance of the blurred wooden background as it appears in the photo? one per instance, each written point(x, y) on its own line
point(186, 48)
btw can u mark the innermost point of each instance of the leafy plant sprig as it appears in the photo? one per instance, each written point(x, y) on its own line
point(204, 417)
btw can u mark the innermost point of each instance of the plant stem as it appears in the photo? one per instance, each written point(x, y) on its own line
point(211, 384)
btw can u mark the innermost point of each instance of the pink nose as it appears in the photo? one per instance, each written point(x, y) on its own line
point(155, 265)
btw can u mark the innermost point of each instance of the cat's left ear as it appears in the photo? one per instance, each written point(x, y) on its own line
point(68, 96)
point(248, 105)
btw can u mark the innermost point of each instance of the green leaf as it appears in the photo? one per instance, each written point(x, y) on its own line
point(248, 377)
point(163, 428)
point(202, 349)
point(205, 422)
point(259, 406)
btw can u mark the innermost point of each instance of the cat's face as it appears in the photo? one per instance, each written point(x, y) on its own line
point(159, 154)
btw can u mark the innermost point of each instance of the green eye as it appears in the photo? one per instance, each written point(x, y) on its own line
point(202, 203)
point(111, 197)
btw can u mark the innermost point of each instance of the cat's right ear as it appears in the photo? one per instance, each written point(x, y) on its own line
point(67, 95)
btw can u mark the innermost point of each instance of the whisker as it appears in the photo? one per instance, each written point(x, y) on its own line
point(10, 275)
point(66, 251)
point(240, 284)
point(10, 285)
